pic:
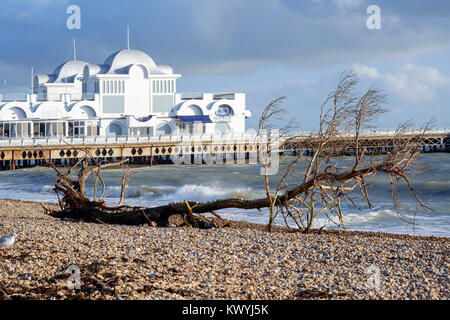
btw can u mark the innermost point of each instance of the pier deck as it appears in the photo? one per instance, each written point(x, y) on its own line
point(149, 150)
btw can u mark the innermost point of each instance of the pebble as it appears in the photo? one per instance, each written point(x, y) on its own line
point(114, 262)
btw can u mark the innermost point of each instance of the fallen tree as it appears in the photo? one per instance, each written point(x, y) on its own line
point(341, 114)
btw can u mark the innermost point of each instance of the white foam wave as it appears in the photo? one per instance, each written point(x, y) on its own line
point(208, 193)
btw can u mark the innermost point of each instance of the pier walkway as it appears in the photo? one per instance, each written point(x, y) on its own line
point(26, 152)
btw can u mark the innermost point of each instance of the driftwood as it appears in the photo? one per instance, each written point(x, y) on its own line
point(317, 190)
point(76, 205)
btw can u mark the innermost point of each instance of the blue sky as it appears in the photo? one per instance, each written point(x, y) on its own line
point(265, 48)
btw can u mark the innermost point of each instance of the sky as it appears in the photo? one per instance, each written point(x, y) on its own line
point(265, 48)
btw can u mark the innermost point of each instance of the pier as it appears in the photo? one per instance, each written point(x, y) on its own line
point(189, 149)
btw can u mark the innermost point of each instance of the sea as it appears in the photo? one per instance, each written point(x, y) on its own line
point(162, 184)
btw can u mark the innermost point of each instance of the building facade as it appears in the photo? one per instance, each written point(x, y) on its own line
point(127, 95)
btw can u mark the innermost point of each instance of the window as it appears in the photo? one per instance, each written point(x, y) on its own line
point(92, 131)
point(48, 129)
point(54, 129)
point(6, 132)
point(15, 130)
point(36, 129)
point(141, 131)
point(61, 129)
point(41, 129)
point(77, 128)
point(19, 129)
point(70, 129)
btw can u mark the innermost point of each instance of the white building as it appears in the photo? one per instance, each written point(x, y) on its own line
point(126, 95)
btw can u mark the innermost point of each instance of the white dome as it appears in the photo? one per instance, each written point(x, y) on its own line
point(66, 71)
point(121, 60)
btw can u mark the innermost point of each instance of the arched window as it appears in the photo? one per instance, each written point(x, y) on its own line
point(116, 90)
point(104, 86)
point(163, 129)
point(114, 129)
point(123, 86)
point(154, 86)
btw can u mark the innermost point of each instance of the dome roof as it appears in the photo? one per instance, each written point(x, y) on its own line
point(66, 71)
point(121, 60)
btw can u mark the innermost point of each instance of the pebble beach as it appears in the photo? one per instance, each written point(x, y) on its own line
point(239, 261)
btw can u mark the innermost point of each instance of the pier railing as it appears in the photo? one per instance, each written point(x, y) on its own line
point(378, 133)
point(188, 138)
point(113, 140)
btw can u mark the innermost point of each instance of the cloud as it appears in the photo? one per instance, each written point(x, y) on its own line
point(411, 83)
point(222, 37)
point(366, 71)
point(345, 5)
point(47, 2)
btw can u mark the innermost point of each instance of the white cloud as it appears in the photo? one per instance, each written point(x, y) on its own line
point(345, 5)
point(411, 83)
point(47, 2)
point(366, 71)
